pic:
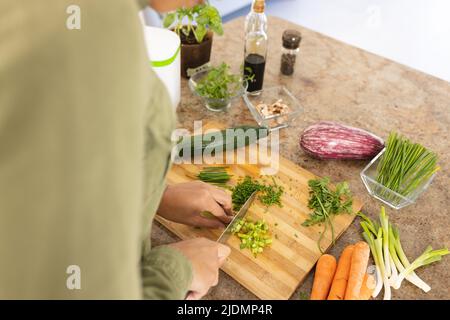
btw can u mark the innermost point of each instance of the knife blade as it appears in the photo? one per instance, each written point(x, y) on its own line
point(227, 232)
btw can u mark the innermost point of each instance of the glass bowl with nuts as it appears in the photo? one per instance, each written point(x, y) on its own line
point(274, 108)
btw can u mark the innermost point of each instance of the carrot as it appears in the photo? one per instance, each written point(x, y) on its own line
point(337, 291)
point(367, 287)
point(358, 267)
point(326, 266)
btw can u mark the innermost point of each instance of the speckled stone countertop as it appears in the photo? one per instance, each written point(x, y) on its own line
point(338, 82)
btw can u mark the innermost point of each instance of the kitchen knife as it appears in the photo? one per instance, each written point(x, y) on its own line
point(227, 232)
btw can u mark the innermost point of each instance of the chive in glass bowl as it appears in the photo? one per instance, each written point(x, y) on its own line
point(217, 90)
point(391, 198)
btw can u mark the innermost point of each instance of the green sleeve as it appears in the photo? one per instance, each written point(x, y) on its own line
point(77, 142)
point(166, 274)
point(71, 144)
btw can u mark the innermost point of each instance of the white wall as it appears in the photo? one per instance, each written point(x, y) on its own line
point(412, 32)
point(229, 6)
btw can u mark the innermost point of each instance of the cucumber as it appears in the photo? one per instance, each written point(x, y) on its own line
point(235, 139)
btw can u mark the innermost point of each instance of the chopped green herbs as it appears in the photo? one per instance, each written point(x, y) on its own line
point(214, 175)
point(326, 203)
point(242, 191)
point(269, 194)
point(253, 235)
point(405, 166)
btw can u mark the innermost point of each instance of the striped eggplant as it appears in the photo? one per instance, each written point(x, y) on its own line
point(331, 140)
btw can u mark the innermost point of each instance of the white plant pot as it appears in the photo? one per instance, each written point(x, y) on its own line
point(163, 47)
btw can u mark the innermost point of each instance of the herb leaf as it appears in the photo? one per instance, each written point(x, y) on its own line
point(205, 17)
point(326, 203)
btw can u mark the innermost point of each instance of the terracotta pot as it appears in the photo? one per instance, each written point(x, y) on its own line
point(195, 55)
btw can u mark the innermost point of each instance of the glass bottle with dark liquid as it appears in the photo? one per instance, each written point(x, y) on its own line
point(255, 46)
point(254, 66)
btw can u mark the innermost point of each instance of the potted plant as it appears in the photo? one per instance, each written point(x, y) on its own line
point(195, 26)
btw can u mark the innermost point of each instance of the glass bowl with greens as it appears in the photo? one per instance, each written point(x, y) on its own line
point(218, 87)
point(400, 173)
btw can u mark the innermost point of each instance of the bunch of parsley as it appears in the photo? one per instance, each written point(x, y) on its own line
point(326, 203)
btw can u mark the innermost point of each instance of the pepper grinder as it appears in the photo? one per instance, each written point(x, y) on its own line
point(289, 51)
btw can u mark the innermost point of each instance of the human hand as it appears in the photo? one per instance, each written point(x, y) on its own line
point(187, 202)
point(170, 5)
point(206, 257)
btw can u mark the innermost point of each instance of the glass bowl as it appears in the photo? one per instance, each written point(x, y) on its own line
point(386, 195)
point(270, 96)
point(213, 104)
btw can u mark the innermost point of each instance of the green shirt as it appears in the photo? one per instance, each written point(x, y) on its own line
point(84, 148)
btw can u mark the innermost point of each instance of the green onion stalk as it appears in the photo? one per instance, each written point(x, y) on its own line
point(392, 265)
point(377, 256)
point(427, 257)
point(385, 236)
point(384, 271)
point(391, 268)
point(215, 175)
point(402, 262)
point(254, 235)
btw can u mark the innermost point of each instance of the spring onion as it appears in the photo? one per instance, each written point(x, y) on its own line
point(214, 175)
point(401, 261)
point(253, 235)
point(427, 257)
point(392, 265)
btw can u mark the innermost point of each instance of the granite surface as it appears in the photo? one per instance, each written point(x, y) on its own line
point(338, 82)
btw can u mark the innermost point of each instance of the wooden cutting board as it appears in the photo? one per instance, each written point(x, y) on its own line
point(277, 272)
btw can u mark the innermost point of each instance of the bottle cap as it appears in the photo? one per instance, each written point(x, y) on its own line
point(291, 39)
point(258, 6)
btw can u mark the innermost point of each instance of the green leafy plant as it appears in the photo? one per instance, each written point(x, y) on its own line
point(220, 83)
point(196, 20)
